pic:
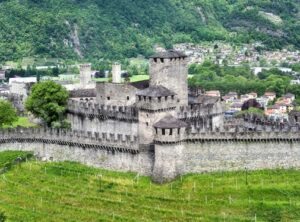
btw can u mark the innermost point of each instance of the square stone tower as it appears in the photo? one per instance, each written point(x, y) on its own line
point(116, 73)
point(169, 69)
point(85, 75)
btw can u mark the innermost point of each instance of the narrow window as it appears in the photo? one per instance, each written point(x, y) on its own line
point(156, 130)
point(178, 131)
point(108, 98)
point(155, 59)
point(150, 99)
point(171, 132)
point(145, 98)
point(166, 98)
point(172, 97)
point(159, 99)
point(162, 60)
point(163, 132)
point(140, 98)
point(127, 97)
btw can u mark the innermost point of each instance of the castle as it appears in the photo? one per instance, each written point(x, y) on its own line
point(157, 128)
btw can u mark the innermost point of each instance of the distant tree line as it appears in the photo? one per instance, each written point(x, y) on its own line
point(210, 76)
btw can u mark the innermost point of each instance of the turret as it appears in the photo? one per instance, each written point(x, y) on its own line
point(169, 162)
point(169, 130)
point(153, 103)
point(169, 69)
point(116, 73)
point(85, 75)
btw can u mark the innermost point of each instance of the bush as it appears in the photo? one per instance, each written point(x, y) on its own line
point(8, 114)
point(2, 217)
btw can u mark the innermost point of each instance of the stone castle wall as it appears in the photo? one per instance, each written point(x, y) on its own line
point(199, 152)
point(213, 156)
point(88, 116)
point(194, 153)
point(112, 152)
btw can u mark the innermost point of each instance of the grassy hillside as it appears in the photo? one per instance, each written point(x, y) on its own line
point(116, 29)
point(36, 191)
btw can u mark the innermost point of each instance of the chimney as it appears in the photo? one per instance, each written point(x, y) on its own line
point(116, 73)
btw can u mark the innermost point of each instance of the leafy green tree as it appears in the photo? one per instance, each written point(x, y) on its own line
point(250, 112)
point(48, 101)
point(8, 114)
point(2, 217)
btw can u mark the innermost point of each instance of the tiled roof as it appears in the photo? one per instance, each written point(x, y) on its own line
point(155, 91)
point(170, 122)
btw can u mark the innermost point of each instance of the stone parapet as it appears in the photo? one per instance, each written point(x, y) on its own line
point(119, 142)
point(200, 111)
point(88, 108)
point(240, 134)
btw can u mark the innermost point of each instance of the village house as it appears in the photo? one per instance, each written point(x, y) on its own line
point(295, 82)
point(289, 97)
point(263, 101)
point(270, 95)
point(230, 97)
point(273, 110)
point(213, 93)
point(236, 106)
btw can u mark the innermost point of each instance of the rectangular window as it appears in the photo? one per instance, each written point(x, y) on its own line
point(127, 97)
point(166, 98)
point(163, 132)
point(171, 132)
point(178, 131)
point(140, 98)
point(159, 99)
point(108, 98)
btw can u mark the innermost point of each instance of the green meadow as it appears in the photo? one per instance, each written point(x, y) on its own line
point(21, 122)
point(31, 190)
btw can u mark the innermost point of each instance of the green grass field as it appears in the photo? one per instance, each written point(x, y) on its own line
point(22, 122)
point(136, 78)
point(37, 191)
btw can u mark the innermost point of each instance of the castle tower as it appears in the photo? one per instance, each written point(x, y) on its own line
point(168, 163)
point(85, 75)
point(153, 103)
point(169, 69)
point(116, 73)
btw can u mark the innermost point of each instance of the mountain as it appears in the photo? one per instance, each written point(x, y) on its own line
point(115, 29)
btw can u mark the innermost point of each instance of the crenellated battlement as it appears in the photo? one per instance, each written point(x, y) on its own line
point(88, 108)
point(239, 134)
point(85, 66)
point(116, 142)
point(199, 111)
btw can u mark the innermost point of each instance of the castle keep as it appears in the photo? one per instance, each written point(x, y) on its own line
point(158, 128)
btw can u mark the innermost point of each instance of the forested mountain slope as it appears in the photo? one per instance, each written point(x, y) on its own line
point(125, 28)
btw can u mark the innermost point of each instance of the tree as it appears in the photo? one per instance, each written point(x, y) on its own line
point(8, 114)
point(250, 112)
point(2, 217)
point(48, 101)
point(251, 103)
